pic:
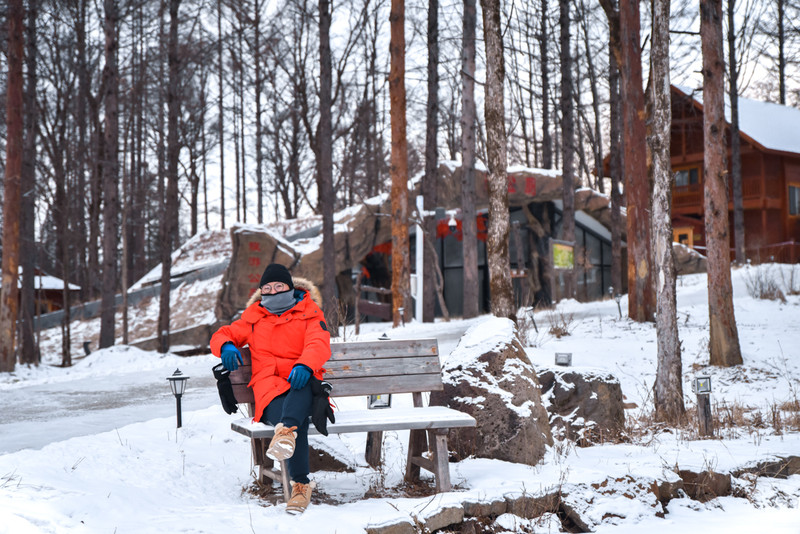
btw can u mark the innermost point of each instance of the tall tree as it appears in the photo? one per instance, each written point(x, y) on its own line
point(501, 291)
point(431, 157)
point(736, 145)
point(399, 162)
point(616, 139)
point(469, 226)
point(9, 291)
point(169, 223)
point(724, 336)
point(28, 349)
point(544, 40)
point(221, 115)
point(641, 296)
point(668, 386)
point(325, 168)
point(110, 174)
point(567, 142)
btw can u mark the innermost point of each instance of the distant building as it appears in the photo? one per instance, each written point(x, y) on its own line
point(770, 140)
point(49, 291)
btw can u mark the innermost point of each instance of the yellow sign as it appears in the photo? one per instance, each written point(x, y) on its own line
point(563, 255)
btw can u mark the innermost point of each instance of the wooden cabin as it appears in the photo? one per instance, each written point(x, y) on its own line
point(770, 148)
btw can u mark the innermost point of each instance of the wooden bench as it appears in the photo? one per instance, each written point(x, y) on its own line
point(363, 368)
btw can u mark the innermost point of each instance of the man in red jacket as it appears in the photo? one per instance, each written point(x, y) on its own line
point(289, 342)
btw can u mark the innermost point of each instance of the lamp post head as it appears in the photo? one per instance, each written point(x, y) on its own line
point(177, 382)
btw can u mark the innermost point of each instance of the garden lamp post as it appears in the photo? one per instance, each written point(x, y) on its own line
point(702, 388)
point(177, 382)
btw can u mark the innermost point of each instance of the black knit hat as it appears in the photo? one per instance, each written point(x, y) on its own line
point(276, 272)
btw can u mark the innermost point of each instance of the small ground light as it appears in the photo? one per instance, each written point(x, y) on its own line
point(702, 385)
point(380, 401)
point(564, 359)
point(177, 382)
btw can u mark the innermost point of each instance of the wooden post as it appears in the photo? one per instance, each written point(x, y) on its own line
point(705, 424)
point(373, 450)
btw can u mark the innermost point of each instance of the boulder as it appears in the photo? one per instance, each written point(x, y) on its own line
point(584, 405)
point(705, 485)
point(688, 260)
point(489, 376)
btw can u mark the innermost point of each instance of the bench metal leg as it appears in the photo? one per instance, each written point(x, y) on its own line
point(440, 458)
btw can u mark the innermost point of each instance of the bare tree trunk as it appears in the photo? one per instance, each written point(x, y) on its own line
point(28, 349)
point(597, 145)
point(258, 89)
point(641, 297)
point(501, 291)
point(615, 169)
point(431, 157)
point(82, 148)
point(110, 175)
point(9, 292)
point(169, 223)
point(781, 52)
point(724, 336)
point(221, 111)
point(567, 144)
point(736, 145)
point(547, 142)
point(325, 170)
point(469, 227)
point(668, 387)
point(399, 165)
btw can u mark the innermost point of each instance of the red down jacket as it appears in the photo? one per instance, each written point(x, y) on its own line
point(279, 342)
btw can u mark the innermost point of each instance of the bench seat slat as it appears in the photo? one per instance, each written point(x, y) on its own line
point(371, 420)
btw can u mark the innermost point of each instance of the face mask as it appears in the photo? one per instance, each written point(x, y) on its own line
point(278, 303)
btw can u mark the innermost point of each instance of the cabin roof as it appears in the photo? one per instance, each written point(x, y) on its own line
point(772, 127)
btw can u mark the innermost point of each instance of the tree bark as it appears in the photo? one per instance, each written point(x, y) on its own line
point(641, 297)
point(258, 90)
point(110, 175)
point(567, 144)
point(399, 163)
point(736, 145)
point(28, 349)
point(9, 292)
point(668, 386)
point(501, 291)
point(547, 142)
point(220, 122)
point(615, 169)
point(431, 157)
point(325, 170)
point(724, 337)
point(469, 226)
point(169, 223)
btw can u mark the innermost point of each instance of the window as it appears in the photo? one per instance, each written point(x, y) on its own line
point(687, 177)
point(794, 200)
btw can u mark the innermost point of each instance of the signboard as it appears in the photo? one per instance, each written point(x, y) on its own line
point(563, 253)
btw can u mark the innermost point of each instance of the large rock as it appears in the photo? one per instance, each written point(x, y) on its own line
point(584, 405)
point(688, 260)
point(489, 376)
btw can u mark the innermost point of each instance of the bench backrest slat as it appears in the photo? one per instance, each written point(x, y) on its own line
point(367, 368)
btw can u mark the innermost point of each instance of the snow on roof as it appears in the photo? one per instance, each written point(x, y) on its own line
point(46, 282)
point(773, 126)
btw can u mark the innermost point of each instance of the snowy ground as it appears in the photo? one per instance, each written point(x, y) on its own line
point(94, 448)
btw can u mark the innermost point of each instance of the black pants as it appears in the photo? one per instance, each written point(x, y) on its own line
point(293, 408)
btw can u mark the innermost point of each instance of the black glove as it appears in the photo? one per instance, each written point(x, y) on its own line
point(225, 388)
point(321, 410)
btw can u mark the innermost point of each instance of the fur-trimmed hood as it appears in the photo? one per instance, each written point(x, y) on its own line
point(303, 284)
